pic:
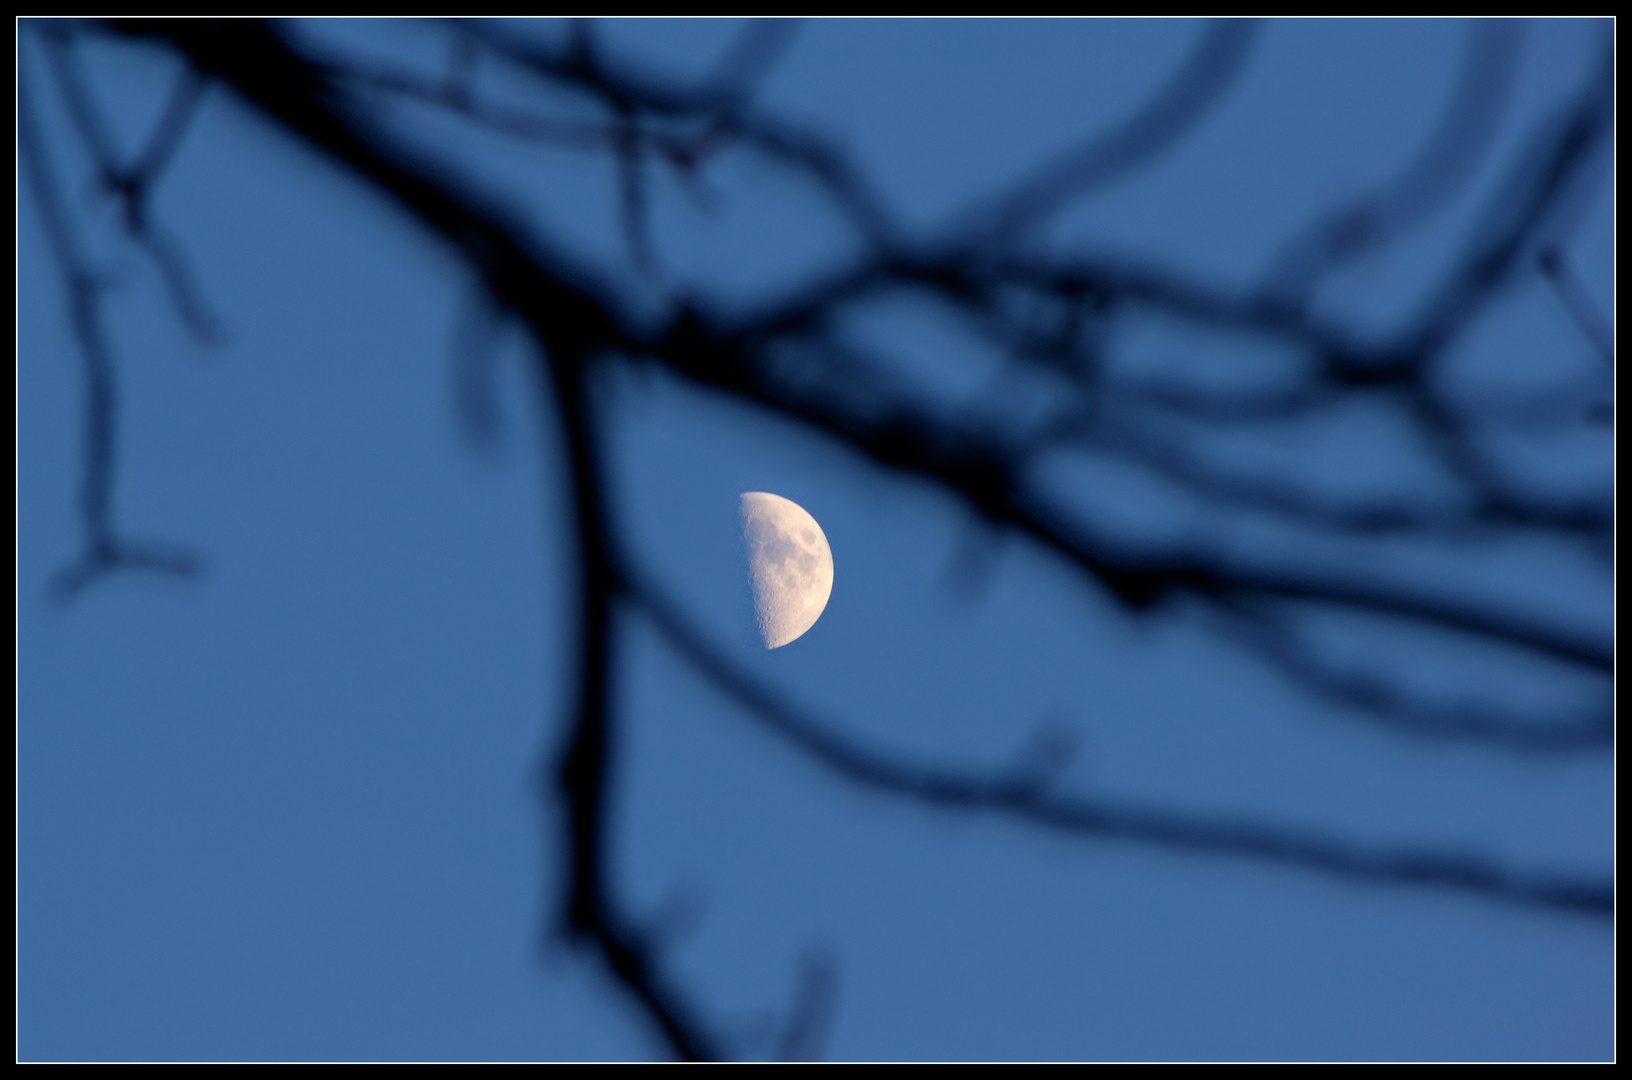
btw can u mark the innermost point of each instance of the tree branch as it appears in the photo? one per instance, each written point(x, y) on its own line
point(1024, 799)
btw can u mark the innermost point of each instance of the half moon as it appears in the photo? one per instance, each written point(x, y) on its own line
point(789, 565)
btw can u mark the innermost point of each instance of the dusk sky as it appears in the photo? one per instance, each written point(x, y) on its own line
point(293, 808)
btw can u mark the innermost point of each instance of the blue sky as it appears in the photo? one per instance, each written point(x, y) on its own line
point(291, 810)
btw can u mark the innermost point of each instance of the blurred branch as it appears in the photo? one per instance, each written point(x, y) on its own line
point(1117, 427)
point(1546, 177)
point(460, 98)
point(1271, 637)
point(752, 56)
point(811, 1016)
point(584, 771)
point(1591, 321)
point(723, 117)
point(476, 338)
point(106, 548)
point(1022, 799)
point(132, 185)
point(1441, 166)
point(1163, 120)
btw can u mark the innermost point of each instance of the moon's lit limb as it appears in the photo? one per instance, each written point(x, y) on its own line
point(789, 564)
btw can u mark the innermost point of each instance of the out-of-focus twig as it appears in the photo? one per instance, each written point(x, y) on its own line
point(106, 548)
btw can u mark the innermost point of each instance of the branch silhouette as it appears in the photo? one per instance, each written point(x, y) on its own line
point(1054, 317)
point(1026, 796)
point(1440, 168)
point(107, 549)
point(1143, 137)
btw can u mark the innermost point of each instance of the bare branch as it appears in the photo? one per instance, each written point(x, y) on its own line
point(106, 549)
point(1583, 311)
point(726, 117)
point(1440, 167)
point(1549, 174)
point(1124, 433)
point(751, 58)
point(633, 202)
point(474, 354)
point(1271, 637)
point(1157, 126)
point(811, 1016)
point(1008, 796)
point(133, 184)
point(584, 768)
point(461, 99)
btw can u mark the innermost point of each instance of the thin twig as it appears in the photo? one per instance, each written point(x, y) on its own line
point(106, 550)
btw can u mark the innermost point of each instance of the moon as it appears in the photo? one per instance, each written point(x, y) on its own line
point(789, 565)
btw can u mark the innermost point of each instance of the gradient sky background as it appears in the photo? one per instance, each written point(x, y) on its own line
point(291, 810)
